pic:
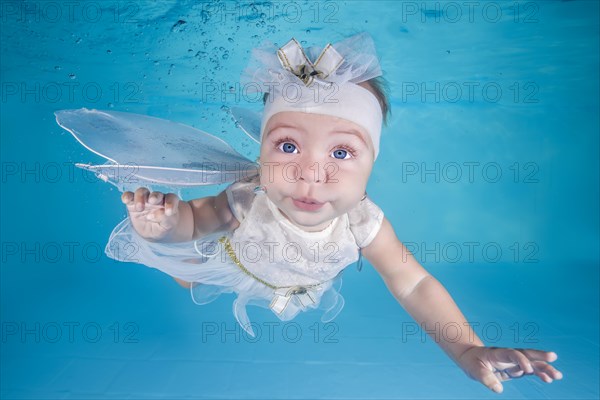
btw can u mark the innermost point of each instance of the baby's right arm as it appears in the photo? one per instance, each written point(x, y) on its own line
point(159, 217)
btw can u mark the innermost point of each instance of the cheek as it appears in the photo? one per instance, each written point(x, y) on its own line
point(278, 173)
point(268, 166)
point(348, 171)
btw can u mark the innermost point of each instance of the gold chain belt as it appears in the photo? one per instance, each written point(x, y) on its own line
point(283, 294)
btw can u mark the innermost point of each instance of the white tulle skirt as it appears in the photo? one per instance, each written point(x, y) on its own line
point(211, 271)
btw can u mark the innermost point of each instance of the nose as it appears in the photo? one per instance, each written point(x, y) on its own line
point(312, 170)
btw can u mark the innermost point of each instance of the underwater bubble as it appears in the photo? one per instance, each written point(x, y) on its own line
point(72, 76)
point(109, 51)
point(110, 105)
point(57, 68)
point(230, 40)
point(179, 26)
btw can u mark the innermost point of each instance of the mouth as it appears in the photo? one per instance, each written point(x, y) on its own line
point(307, 204)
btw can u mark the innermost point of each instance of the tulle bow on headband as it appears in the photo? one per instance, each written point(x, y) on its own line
point(294, 59)
point(353, 59)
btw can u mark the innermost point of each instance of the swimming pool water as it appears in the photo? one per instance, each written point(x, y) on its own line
point(488, 171)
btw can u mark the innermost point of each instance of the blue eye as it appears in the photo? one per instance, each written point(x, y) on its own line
point(341, 154)
point(288, 147)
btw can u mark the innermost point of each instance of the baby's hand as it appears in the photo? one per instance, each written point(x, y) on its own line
point(153, 215)
point(492, 365)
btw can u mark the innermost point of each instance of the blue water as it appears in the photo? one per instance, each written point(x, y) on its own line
point(488, 171)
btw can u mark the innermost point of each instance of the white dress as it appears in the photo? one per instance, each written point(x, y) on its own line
point(267, 261)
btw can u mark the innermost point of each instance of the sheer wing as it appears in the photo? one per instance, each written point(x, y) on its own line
point(143, 150)
point(248, 121)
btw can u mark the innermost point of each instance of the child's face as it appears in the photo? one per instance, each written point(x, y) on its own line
point(314, 157)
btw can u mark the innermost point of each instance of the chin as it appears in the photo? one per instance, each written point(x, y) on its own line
point(308, 222)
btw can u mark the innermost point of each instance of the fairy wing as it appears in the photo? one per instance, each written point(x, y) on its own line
point(142, 150)
point(248, 121)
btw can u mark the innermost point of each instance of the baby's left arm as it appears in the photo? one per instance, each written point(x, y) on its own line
point(428, 302)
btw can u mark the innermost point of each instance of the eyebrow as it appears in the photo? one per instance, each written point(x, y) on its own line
point(281, 125)
point(353, 132)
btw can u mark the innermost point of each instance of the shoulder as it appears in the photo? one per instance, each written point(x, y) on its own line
point(365, 221)
point(240, 196)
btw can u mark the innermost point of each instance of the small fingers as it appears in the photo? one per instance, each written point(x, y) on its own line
point(539, 355)
point(546, 372)
point(510, 373)
point(484, 373)
point(543, 376)
point(491, 381)
point(156, 198)
point(127, 198)
point(140, 198)
point(519, 358)
point(171, 204)
point(540, 361)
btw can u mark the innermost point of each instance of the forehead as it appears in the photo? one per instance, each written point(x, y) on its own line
point(309, 122)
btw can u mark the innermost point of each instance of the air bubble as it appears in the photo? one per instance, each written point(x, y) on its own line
point(178, 26)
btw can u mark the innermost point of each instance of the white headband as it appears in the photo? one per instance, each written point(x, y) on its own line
point(351, 102)
point(328, 86)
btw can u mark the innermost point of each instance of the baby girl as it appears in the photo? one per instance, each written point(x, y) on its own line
point(281, 238)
